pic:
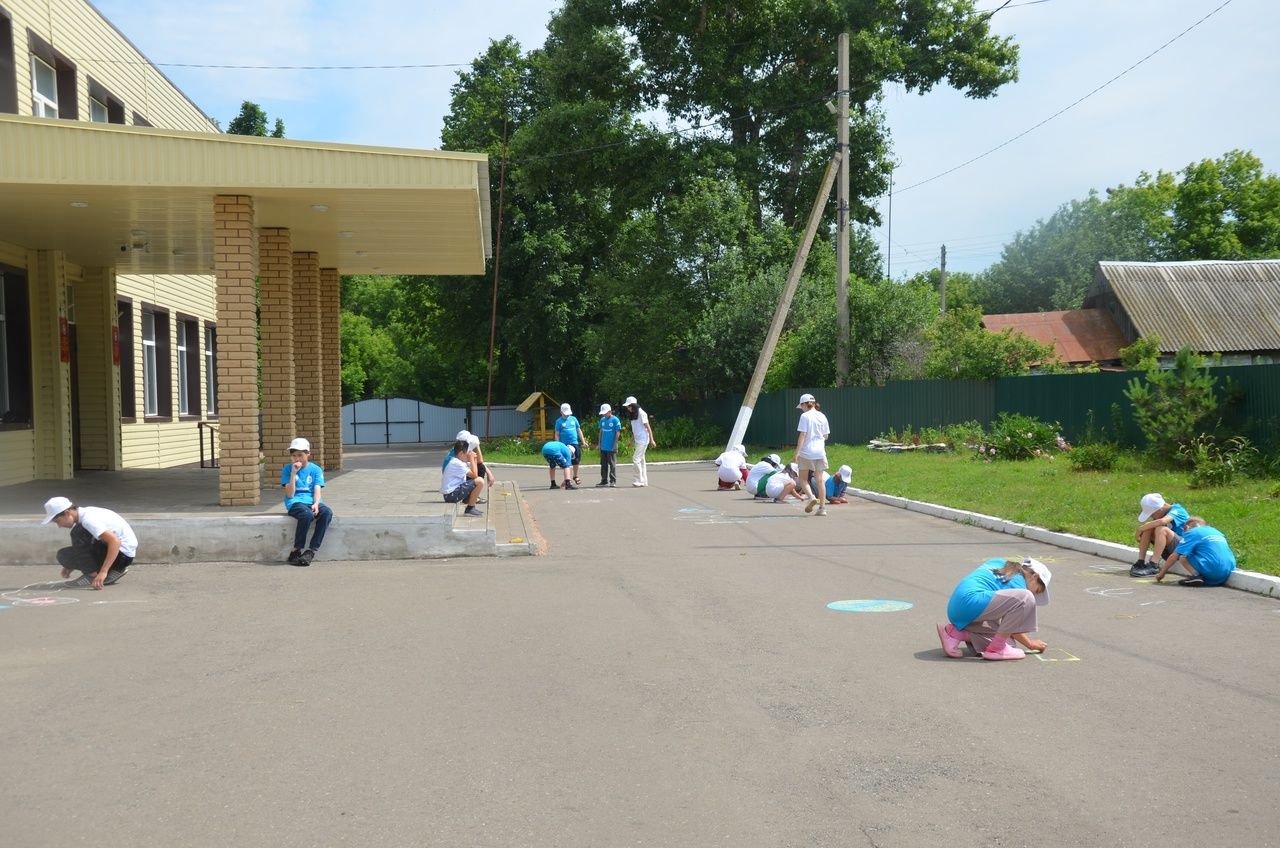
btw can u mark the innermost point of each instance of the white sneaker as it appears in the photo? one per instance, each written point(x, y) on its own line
point(822, 510)
point(636, 483)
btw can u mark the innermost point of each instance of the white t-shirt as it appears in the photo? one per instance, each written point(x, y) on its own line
point(95, 519)
point(774, 486)
point(731, 464)
point(455, 474)
point(816, 429)
point(639, 430)
point(757, 471)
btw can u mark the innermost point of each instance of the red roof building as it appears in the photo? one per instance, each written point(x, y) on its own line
point(1079, 336)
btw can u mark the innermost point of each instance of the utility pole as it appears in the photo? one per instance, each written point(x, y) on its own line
point(942, 280)
point(784, 305)
point(842, 213)
point(888, 248)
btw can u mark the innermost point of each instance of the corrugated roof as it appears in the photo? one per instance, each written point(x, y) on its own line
point(1078, 335)
point(1212, 306)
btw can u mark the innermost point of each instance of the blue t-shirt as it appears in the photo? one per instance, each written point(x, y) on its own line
point(553, 451)
point(567, 429)
point(976, 590)
point(610, 427)
point(1206, 549)
point(835, 490)
point(1179, 514)
point(310, 478)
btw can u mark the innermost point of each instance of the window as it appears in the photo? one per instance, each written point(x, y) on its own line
point(157, 381)
point(15, 349)
point(44, 89)
point(188, 367)
point(8, 68)
point(53, 81)
point(139, 121)
point(103, 107)
point(124, 331)
point(211, 369)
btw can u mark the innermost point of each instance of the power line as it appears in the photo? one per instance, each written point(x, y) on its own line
point(1070, 106)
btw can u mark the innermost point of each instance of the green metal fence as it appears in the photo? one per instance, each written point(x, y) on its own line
point(1250, 405)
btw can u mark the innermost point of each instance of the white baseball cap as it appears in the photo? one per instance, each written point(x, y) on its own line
point(1150, 503)
point(775, 459)
point(631, 399)
point(462, 436)
point(566, 409)
point(845, 473)
point(55, 507)
point(806, 398)
point(740, 449)
point(1042, 571)
point(300, 444)
point(473, 441)
point(605, 409)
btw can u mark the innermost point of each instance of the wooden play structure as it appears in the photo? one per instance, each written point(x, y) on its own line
point(541, 401)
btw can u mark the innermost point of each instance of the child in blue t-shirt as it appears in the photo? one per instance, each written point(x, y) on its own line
point(1160, 526)
point(569, 431)
point(610, 429)
point(303, 483)
point(558, 455)
point(1205, 555)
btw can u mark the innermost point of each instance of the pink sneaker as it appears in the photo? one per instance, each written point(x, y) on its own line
point(1004, 652)
point(950, 644)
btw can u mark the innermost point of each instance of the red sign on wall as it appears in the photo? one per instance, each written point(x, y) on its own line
point(64, 340)
point(115, 345)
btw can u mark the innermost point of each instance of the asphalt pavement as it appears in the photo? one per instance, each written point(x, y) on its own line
point(669, 673)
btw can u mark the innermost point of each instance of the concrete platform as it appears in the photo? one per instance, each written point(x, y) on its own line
point(385, 503)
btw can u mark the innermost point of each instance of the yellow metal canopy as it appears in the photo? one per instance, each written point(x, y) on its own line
point(141, 199)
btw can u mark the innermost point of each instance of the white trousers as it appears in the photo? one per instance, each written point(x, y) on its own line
point(637, 459)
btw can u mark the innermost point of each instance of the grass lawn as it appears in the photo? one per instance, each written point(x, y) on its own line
point(1046, 493)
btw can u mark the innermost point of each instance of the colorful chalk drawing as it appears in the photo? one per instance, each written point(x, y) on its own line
point(1105, 592)
point(869, 606)
point(47, 595)
point(1056, 655)
point(698, 510)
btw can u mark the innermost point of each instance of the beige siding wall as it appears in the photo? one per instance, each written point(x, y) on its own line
point(17, 456)
point(77, 31)
point(163, 444)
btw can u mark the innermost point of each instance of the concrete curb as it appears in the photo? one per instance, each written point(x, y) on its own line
point(1246, 581)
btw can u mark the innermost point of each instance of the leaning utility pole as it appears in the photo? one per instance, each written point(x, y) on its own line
point(942, 280)
point(784, 305)
point(842, 213)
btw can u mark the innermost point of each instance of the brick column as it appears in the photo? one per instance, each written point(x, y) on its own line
point(307, 352)
point(275, 298)
point(331, 369)
point(51, 377)
point(235, 262)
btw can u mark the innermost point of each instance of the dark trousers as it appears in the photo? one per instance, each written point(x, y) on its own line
point(305, 518)
point(88, 558)
point(608, 466)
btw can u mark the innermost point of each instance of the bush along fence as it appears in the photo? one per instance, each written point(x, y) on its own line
point(1087, 406)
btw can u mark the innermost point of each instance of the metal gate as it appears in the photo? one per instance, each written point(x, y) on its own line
point(388, 421)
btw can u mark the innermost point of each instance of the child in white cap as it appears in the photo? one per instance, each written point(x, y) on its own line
point(642, 439)
point(303, 483)
point(759, 474)
point(1160, 528)
point(610, 432)
point(995, 604)
point(103, 544)
point(569, 432)
point(836, 485)
point(732, 468)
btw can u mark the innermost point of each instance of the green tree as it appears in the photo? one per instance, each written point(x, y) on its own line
point(253, 121)
point(962, 349)
point(1171, 405)
point(1142, 355)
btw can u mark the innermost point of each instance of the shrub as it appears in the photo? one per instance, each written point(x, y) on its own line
point(686, 432)
point(1170, 405)
point(514, 446)
point(1214, 465)
point(1098, 456)
point(965, 434)
point(1014, 436)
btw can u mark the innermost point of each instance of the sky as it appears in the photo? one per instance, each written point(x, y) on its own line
point(1209, 91)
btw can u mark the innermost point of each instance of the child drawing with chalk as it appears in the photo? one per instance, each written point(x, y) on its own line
point(995, 604)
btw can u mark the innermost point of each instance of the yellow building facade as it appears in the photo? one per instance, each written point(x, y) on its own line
point(165, 288)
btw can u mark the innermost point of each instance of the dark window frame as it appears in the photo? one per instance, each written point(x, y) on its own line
point(65, 70)
point(115, 106)
point(210, 359)
point(17, 349)
point(128, 380)
point(8, 65)
point(164, 362)
point(194, 363)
